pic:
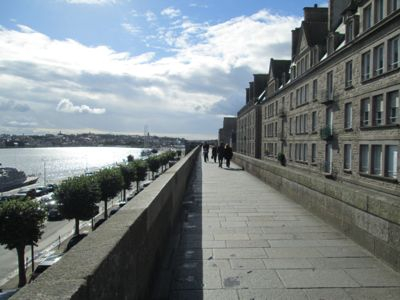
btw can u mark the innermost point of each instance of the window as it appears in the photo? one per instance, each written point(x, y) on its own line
point(365, 109)
point(305, 123)
point(349, 31)
point(329, 85)
point(393, 107)
point(305, 148)
point(378, 110)
point(290, 151)
point(347, 157)
point(365, 67)
point(378, 10)
point(301, 128)
point(349, 74)
point(391, 161)
point(378, 60)
point(314, 89)
point(393, 53)
point(306, 63)
point(376, 160)
point(313, 153)
point(265, 130)
point(314, 121)
point(393, 5)
point(276, 129)
point(348, 118)
point(290, 126)
point(364, 152)
point(291, 100)
point(306, 93)
point(296, 125)
point(367, 17)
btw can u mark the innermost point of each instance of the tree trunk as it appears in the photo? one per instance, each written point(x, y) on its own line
point(137, 186)
point(21, 265)
point(124, 194)
point(105, 210)
point(76, 226)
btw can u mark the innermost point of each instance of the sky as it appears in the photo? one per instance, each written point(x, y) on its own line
point(176, 68)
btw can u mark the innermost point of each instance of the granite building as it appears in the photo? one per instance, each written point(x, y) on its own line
point(333, 109)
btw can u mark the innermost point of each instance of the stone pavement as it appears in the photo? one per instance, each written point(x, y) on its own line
point(241, 239)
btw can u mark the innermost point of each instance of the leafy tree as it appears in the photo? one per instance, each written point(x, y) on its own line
point(77, 197)
point(164, 158)
point(154, 164)
point(110, 183)
point(21, 224)
point(140, 168)
point(130, 158)
point(179, 153)
point(128, 175)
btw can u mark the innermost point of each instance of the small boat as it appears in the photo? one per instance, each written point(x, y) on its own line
point(11, 178)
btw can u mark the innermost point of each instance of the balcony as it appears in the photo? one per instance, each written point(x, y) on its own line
point(326, 133)
point(328, 97)
point(282, 113)
point(282, 136)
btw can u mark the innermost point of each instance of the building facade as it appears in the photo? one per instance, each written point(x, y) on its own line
point(227, 134)
point(333, 109)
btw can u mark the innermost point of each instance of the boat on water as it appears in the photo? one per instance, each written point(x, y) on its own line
point(11, 178)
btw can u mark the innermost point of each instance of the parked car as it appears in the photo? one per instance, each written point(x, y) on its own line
point(54, 214)
point(51, 187)
point(7, 293)
point(121, 203)
point(113, 211)
point(75, 240)
point(44, 265)
point(98, 223)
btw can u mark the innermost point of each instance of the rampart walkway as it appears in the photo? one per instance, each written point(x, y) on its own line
point(241, 239)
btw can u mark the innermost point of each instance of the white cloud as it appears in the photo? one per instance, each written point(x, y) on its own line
point(150, 16)
point(171, 12)
point(96, 2)
point(130, 28)
point(204, 75)
point(66, 106)
point(21, 124)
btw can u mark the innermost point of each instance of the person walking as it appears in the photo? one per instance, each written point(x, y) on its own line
point(205, 151)
point(228, 155)
point(220, 152)
point(214, 153)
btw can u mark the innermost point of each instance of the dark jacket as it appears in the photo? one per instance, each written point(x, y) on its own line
point(228, 153)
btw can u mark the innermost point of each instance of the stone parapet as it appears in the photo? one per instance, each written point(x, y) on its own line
point(118, 259)
point(369, 217)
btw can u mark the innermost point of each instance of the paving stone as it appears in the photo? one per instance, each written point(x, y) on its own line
point(204, 244)
point(375, 277)
point(344, 262)
point(294, 243)
point(287, 263)
point(266, 294)
point(248, 244)
point(231, 236)
point(292, 252)
point(270, 236)
point(236, 279)
point(316, 278)
point(352, 251)
point(219, 294)
point(374, 293)
point(247, 264)
point(327, 294)
point(239, 253)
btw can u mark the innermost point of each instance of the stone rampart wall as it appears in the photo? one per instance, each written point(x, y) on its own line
point(369, 217)
point(118, 259)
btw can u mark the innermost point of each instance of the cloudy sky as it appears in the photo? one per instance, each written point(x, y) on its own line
point(177, 67)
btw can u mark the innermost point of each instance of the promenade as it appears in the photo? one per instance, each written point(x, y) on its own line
point(240, 239)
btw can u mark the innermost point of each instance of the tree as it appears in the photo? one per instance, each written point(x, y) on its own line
point(110, 183)
point(164, 158)
point(130, 158)
point(21, 224)
point(128, 175)
point(77, 197)
point(154, 164)
point(140, 168)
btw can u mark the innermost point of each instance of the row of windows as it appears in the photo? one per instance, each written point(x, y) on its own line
point(374, 62)
point(385, 110)
point(375, 11)
point(378, 160)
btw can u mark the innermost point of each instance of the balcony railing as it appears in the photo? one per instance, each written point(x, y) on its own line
point(282, 112)
point(328, 97)
point(282, 136)
point(326, 133)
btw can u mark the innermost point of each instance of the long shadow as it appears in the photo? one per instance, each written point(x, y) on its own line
point(181, 272)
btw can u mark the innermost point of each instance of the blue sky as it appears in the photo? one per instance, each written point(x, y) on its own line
point(116, 66)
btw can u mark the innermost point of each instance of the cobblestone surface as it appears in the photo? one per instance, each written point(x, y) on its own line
point(241, 239)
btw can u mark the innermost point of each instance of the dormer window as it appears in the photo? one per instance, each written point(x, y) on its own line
point(393, 5)
point(378, 10)
point(349, 31)
point(367, 18)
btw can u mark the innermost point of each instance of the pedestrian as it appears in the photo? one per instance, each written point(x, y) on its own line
point(220, 152)
point(205, 151)
point(214, 153)
point(228, 155)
